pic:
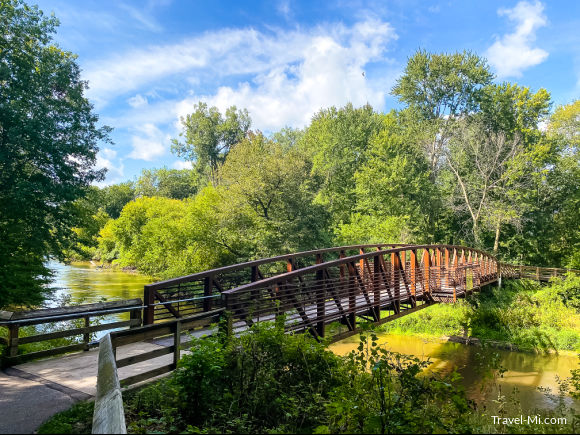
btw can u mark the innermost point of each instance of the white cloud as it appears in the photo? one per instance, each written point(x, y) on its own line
point(144, 19)
point(325, 70)
point(149, 143)
point(513, 53)
point(115, 173)
point(178, 164)
point(327, 60)
point(137, 101)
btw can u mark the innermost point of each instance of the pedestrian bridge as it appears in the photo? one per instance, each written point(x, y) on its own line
point(314, 289)
point(328, 293)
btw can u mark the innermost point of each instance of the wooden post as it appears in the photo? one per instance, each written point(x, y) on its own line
point(176, 343)
point(396, 270)
point(207, 293)
point(376, 286)
point(413, 272)
point(537, 273)
point(148, 301)
point(135, 315)
point(12, 350)
point(87, 335)
point(427, 271)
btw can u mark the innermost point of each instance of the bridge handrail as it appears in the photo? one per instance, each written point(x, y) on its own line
point(308, 269)
point(13, 321)
point(258, 262)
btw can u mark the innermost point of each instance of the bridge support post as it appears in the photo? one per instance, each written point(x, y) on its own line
point(320, 304)
point(207, 293)
point(149, 310)
point(427, 273)
point(396, 271)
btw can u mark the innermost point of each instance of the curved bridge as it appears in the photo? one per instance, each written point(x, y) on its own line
point(335, 286)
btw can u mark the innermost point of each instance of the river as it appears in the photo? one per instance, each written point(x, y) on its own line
point(87, 283)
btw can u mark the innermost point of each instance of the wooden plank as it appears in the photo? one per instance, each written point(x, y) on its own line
point(54, 313)
point(146, 375)
point(77, 331)
point(144, 356)
point(45, 353)
point(6, 315)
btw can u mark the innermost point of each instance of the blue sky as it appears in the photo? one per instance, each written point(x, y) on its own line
point(148, 62)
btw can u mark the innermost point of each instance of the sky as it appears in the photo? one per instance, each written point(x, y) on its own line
point(147, 62)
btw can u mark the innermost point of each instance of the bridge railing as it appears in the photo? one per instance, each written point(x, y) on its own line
point(63, 323)
point(200, 292)
point(360, 285)
point(532, 272)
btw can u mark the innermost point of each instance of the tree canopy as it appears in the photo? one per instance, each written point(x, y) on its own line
point(48, 143)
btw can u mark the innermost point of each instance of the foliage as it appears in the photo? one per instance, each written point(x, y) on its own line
point(168, 183)
point(76, 420)
point(526, 314)
point(269, 381)
point(113, 198)
point(209, 136)
point(49, 137)
point(337, 142)
point(268, 199)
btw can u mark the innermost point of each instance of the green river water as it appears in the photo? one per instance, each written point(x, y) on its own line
point(526, 372)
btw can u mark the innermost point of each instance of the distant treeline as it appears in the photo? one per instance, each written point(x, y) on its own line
point(466, 161)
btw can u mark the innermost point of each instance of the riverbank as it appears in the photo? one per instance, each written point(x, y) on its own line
point(521, 315)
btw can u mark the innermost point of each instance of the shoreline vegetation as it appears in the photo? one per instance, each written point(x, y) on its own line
point(521, 315)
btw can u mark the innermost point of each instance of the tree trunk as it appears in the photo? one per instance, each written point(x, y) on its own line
point(496, 242)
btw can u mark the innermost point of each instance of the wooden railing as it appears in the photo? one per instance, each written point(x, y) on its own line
point(532, 272)
point(109, 415)
point(14, 321)
point(200, 292)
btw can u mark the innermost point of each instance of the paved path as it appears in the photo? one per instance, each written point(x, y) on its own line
point(33, 392)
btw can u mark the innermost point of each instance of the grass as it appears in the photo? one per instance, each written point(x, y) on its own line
point(524, 313)
point(76, 420)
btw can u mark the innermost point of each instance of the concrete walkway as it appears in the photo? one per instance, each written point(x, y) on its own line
point(33, 392)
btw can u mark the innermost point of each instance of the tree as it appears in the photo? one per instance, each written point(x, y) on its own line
point(48, 146)
point(337, 142)
point(169, 183)
point(486, 165)
point(393, 185)
point(268, 199)
point(114, 197)
point(442, 88)
point(209, 136)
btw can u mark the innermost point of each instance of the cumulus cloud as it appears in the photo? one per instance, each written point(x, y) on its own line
point(511, 54)
point(178, 164)
point(148, 143)
point(292, 72)
point(326, 69)
point(137, 101)
point(115, 172)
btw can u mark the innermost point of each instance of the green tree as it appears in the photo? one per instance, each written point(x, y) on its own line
point(268, 198)
point(169, 183)
point(393, 186)
point(48, 146)
point(442, 88)
point(337, 142)
point(209, 136)
point(114, 197)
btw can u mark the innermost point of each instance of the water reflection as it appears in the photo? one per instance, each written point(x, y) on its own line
point(524, 371)
point(86, 283)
